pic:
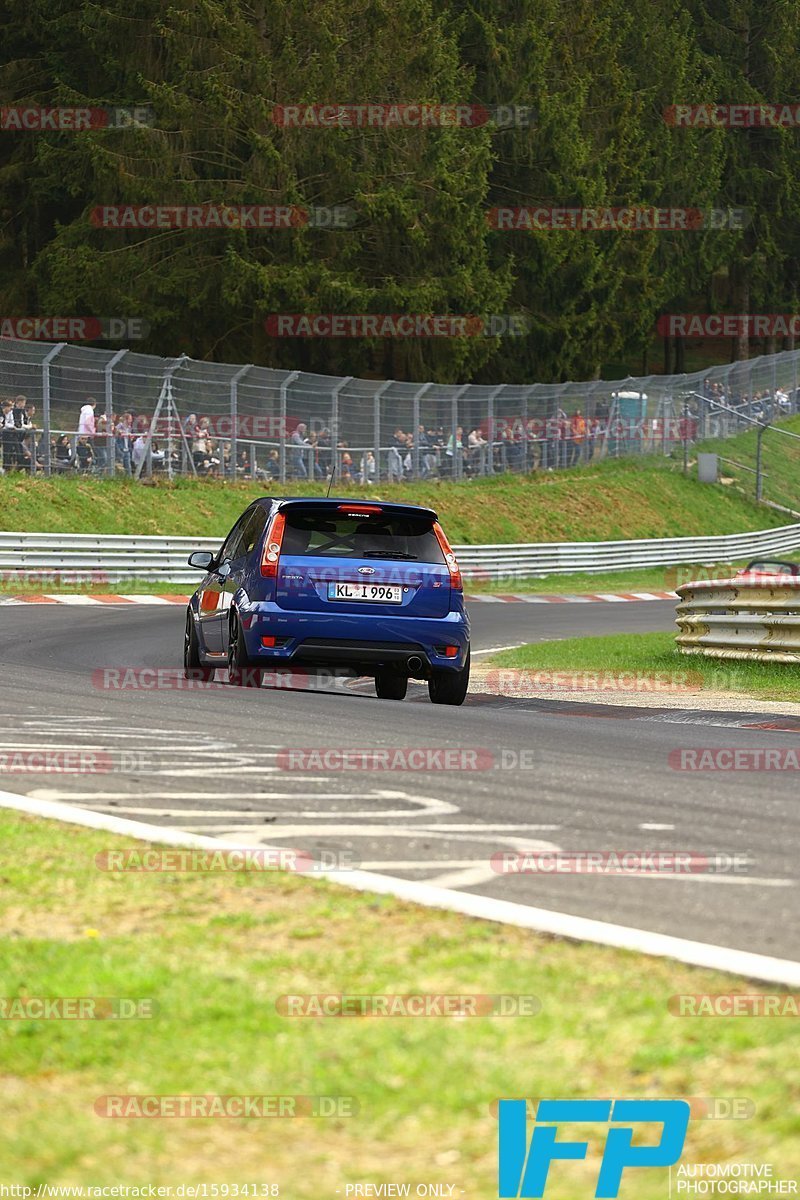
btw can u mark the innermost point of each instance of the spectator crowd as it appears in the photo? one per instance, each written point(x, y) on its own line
point(123, 443)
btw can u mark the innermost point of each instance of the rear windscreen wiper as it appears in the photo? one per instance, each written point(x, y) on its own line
point(388, 554)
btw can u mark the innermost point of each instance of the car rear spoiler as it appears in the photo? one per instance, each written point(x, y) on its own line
point(365, 508)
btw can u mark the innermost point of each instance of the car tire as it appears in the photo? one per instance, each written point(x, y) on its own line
point(449, 687)
point(193, 668)
point(390, 686)
point(240, 671)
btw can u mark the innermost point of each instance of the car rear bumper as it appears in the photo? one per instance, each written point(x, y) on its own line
point(353, 641)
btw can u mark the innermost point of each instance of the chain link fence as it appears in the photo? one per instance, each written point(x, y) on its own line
point(76, 409)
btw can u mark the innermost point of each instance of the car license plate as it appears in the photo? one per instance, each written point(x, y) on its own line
point(377, 593)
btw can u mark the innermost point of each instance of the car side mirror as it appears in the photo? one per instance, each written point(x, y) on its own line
point(201, 559)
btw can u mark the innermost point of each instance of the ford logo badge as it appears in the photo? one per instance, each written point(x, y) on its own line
point(366, 570)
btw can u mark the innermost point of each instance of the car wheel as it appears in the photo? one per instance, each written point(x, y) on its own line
point(449, 687)
point(240, 672)
point(192, 666)
point(390, 686)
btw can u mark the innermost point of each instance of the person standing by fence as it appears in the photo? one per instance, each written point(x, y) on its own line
point(123, 434)
point(16, 428)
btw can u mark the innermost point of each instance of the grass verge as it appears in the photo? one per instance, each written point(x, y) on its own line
point(780, 457)
point(215, 952)
point(617, 499)
point(655, 653)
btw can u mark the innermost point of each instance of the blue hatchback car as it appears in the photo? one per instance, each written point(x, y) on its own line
point(320, 583)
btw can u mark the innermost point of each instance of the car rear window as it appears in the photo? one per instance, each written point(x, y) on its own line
point(329, 535)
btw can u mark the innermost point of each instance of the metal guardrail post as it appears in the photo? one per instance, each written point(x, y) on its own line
point(376, 425)
point(762, 429)
point(235, 416)
point(111, 452)
point(284, 388)
point(335, 424)
point(416, 423)
point(458, 456)
point(490, 419)
point(49, 358)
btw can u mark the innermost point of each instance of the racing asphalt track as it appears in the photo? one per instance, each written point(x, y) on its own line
point(208, 761)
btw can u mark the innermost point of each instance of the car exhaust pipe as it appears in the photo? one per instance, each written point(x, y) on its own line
point(414, 663)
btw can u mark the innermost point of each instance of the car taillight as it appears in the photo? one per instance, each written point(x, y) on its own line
point(456, 581)
point(358, 510)
point(272, 547)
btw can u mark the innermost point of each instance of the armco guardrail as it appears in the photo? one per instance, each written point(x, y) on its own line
point(745, 618)
point(116, 558)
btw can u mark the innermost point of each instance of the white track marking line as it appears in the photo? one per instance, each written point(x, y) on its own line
point(428, 805)
point(336, 829)
point(417, 865)
point(655, 825)
point(472, 876)
point(540, 920)
point(497, 649)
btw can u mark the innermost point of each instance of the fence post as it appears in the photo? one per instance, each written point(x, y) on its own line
point(490, 418)
point(285, 385)
point(458, 457)
point(335, 424)
point(235, 415)
point(415, 422)
point(46, 361)
point(762, 429)
point(111, 452)
point(376, 425)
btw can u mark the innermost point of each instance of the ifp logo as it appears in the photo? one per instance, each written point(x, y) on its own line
point(523, 1170)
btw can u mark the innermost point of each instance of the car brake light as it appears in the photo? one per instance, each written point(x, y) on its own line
point(272, 547)
point(451, 651)
point(456, 581)
point(360, 509)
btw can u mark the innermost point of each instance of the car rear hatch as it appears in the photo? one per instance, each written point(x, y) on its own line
point(340, 556)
